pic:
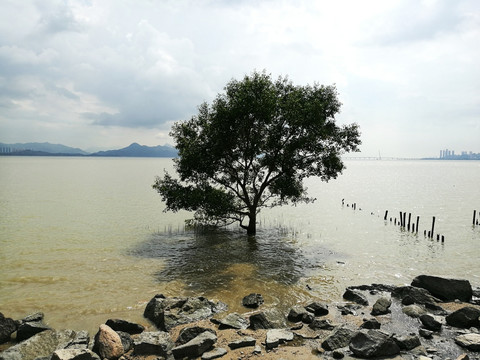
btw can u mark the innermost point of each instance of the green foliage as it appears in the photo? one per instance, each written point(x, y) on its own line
point(253, 147)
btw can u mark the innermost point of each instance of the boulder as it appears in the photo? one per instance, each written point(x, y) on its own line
point(381, 306)
point(338, 339)
point(127, 341)
point(318, 309)
point(373, 343)
point(195, 347)
point(321, 324)
point(40, 345)
point(167, 313)
point(260, 321)
point(414, 310)
point(232, 321)
point(469, 341)
point(356, 297)
point(276, 337)
point(108, 343)
point(28, 329)
point(297, 313)
point(426, 334)
point(153, 343)
point(445, 289)
point(125, 326)
point(370, 324)
point(7, 328)
point(407, 342)
point(81, 341)
point(74, 354)
point(465, 317)
point(214, 354)
point(348, 309)
point(413, 294)
point(430, 323)
point(243, 342)
point(190, 333)
point(253, 300)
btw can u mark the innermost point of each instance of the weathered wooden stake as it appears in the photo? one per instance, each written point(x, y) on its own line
point(418, 221)
point(433, 225)
point(385, 217)
point(429, 235)
point(401, 217)
point(409, 218)
point(438, 237)
point(413, 227)
point(443, 238)
point(424, 232)
point(404, 218)
point(474, 215)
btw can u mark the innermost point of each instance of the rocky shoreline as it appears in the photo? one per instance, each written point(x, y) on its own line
point(433, 318)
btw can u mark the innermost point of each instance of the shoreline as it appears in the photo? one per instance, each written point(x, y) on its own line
point(417, 323)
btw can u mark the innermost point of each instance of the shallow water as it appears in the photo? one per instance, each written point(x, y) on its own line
point(85, 239)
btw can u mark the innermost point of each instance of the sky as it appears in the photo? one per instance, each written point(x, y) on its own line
point(99, 74)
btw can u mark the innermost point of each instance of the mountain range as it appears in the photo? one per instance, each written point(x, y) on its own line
point(47, 149)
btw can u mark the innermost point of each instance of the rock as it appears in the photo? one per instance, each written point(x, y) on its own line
point(125, 326)
point(426, 334)
point(348, 309)
point(276, 337)
point(152, 343)
point(370, 324)
point(28, 329)
point(231, 321)
point(108, 343)
point(40, 345)
point(7, 328)
point(463, 357)
point(337, 354)
point(243, 342)
point(195, 347)
point(214, 354)
point(469, 341)
point(381, 306)
point(355, 296)
point(296, 313)
point(339, 338)
point(373, 343)
point(81, 341)
point(260, 321)
point(74, 354)
point(414, 310)
point(253, 300)
point(190, 333)
point(127, 341)
point(445, 289)
point(166, 313)
point(318, 309)
point(415, 295)
point(36, 317)
point(464, 318)
point(430, 323)
point(321, 324)
point(407, 342)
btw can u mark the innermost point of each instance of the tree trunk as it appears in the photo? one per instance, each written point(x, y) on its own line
point(252, 224)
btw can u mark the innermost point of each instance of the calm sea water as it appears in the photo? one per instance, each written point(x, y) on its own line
point(86, 239)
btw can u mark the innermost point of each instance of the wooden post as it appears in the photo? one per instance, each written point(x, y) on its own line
point(386, 213)
point(413, 227)
point(474, 215)
point(433, 225)
point(404, 218)
point(443, 238)
point(401, 217)
point(409, 218)
point(418, 221)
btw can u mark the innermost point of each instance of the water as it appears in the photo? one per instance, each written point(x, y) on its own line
point(85, 239)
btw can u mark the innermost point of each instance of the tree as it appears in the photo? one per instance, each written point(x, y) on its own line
point(253, 147)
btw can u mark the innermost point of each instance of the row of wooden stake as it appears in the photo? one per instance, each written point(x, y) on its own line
point(414, 226)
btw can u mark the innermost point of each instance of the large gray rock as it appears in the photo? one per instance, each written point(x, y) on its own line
point(7, 328)
point(445, 289)
point(373, 343)
point(414, 310)
point(125, 326)
point(469, 341)
point(318, 309)
point(465, 317)
point(74, 354)
point(338, 339)
point(39, 345)
point(414, 295)
point(297, 313)
point(28, 329)
point(166, 313)
point(355, 296)
point(81, 341)
point(430, 323)
point(407, 342)
point(276, 337)
point(190, 333)
point(253, 300)
point(321, 324)
point(214, 354)
point(260, 321)
point(232, 321)
point(381, 306)
point(195, 347)
point(243, 342)
point(153, 343)
point(108, 343)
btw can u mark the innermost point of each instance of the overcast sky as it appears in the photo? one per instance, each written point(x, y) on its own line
point(106, 73)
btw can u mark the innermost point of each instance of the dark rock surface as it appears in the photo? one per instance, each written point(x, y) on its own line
point(373, 343)
point(190, 333)
point(195, 347)
point(355, 296)
point(465, 317)
point(231, 321)
point(445, 289)
point(153, 343)
point(242, 342)
point(381, 306)
point(125, 326)
point(253, 300)
point(339, 338)
point(318, 309)
point(7, 328)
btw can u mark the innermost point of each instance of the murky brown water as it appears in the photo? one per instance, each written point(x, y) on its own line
point(85, 239)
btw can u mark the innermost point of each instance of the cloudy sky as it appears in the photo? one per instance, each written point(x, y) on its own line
point(105, 73)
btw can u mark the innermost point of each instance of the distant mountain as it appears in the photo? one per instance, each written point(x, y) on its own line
point(39, 148)
point(137, 150)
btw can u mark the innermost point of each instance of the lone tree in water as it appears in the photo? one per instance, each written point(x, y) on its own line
point(252, 148)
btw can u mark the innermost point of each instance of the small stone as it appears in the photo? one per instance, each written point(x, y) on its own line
point(381, 306)
point(296, 313)
point(318, 309)
point(276, 337)
point(407, 342)
point(355, 296)
point(430, 323)
point(260, 321)
point(370, 324)
point(463, 357)
point(426, 334)
point(232, 321)
point(214, 354)
point(74, 354)
point(7, 327)
point(414, 310)
point(190, 333)
point(243, 342)
point(337, 354)
point(338, 339)
point(469, 341)
point(321, 324)
point(108, 343)
point(253, 300)
point(195, 347)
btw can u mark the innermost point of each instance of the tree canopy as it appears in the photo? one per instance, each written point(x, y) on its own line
point(252, 147)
